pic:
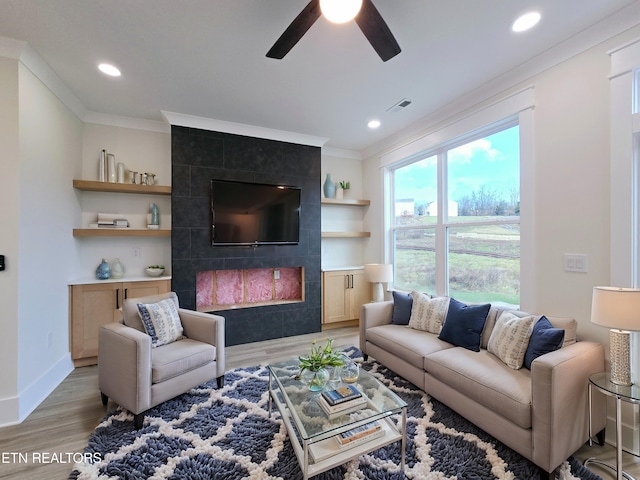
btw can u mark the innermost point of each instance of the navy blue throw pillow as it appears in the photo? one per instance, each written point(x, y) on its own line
point(464, 323)
point(544, 339)
point(402, 303)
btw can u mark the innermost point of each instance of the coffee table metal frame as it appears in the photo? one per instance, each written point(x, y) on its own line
point(308, 425)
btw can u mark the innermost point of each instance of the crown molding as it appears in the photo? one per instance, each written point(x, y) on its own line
point(341, 153)
point(27, 56)
point(126, 122)
point(214, 125)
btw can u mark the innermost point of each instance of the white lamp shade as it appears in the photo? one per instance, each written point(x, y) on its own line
point(616, 307)
point(379, 272)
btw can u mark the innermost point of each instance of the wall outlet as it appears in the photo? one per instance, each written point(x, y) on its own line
point(276, 274)
point(136, 251)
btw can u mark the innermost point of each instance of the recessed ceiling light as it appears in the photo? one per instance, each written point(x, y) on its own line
point(525, 22)
point(373, 124)
point(109, 70)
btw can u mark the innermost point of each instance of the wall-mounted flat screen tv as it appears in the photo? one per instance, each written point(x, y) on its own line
point(244, 213)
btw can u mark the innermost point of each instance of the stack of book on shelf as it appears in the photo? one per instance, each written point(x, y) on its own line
point(330, 447)
point(360, 434)
point(342, 400)
point(110, 220)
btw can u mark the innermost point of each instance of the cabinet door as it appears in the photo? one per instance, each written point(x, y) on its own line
point(91, 306)
point(335, 296)
point(359, 293)
point(145, 288)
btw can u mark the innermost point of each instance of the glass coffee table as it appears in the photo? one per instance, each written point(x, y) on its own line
point(313, 434)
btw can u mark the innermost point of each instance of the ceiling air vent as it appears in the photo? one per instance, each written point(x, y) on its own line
point(404, 103)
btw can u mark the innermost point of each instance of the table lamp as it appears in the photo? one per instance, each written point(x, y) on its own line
point(618, 309)
point(378, 273)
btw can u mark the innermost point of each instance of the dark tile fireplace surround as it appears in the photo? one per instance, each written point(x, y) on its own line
point(197, 156)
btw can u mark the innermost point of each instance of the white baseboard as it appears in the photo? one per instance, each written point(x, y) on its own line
point(14, 410)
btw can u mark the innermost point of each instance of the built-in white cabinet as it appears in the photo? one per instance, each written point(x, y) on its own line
point(343, 293)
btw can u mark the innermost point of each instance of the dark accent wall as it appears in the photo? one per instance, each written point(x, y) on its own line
point(197, 156)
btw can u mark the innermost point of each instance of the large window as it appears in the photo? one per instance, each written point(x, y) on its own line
point(455, 222)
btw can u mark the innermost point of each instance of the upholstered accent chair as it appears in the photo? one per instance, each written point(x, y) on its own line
point(151, 356)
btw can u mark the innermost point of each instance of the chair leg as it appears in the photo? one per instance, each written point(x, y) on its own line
point(365, 356)
point(220, 381)
point(544, 475)
point(105, 399)
point(138, 420)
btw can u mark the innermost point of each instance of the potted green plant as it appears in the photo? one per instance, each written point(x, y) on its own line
point(345, 185)
point(314, 366)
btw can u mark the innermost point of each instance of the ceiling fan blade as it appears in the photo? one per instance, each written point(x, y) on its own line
point(296, 30)
point(377, 32)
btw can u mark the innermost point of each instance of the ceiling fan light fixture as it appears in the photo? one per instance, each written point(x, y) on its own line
point(340, 11)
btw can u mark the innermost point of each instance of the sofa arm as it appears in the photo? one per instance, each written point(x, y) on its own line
point(124, 366)
point(207, 328)
point(372, 315)
point(560, 401)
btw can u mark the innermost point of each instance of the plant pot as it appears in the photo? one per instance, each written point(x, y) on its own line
point(315, 379)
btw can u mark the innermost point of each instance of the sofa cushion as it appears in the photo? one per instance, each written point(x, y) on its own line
point(570, 327)
point(161, 321)
point(402, 303)
point(485, 378)
point(510, 338)
point(428, 313)
point(405, 343)
point(173, 359)
point(544, 339)
point(464, 323)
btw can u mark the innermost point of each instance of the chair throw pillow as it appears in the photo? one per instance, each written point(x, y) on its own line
point(161, 321)
point(428, 314)
point(544, 339)
point(464, 323)
point(402, 303)
point(510, 338)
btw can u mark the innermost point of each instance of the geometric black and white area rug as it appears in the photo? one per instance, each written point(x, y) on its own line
point(227, 433)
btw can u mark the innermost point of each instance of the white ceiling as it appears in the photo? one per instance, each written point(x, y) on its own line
point(206, 58)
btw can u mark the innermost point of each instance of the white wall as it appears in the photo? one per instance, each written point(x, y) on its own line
point(9, 240)
point(570, 181)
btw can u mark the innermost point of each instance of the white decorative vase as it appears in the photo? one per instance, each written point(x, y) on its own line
point(339, 194)
point(117, 269)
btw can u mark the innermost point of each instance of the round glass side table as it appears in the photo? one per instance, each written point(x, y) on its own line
point(622, 393)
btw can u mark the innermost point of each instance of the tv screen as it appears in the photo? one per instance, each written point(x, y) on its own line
point(245, 213)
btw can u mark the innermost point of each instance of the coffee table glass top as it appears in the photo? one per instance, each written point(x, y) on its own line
point(310, 420)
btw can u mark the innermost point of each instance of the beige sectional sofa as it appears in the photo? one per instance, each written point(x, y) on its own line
point(541, 413)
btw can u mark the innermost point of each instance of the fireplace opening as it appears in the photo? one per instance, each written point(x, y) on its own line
point(228, 289)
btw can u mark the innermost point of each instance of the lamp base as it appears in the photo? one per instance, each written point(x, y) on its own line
point(378, 293)
point(620, 353)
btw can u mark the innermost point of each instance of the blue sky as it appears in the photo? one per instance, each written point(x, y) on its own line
point(492, 162)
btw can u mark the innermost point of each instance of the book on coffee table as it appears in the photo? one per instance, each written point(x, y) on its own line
point(341, 394)
point(334, 411)
point(359, 434)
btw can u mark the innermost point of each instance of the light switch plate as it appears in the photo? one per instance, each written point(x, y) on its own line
point(575, 262)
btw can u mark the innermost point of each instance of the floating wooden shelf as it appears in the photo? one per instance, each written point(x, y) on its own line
point(93, 186)
point(119, 232)
point(356, 203)
point(345, 234)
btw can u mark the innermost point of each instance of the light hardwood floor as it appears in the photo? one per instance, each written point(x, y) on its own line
point(62, 424)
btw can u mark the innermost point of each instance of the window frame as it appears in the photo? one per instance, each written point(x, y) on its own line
point(516, 108)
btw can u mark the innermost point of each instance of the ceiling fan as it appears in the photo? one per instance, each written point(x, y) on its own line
point(367, 17)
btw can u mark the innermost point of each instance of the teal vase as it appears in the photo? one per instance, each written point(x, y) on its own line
point(329, 187)
point(103, 272)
